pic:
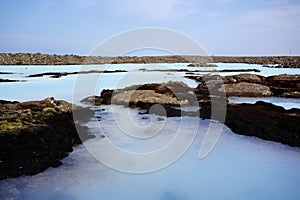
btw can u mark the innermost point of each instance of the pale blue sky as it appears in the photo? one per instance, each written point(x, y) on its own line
point(222, 27)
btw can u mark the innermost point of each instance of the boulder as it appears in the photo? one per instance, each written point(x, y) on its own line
point(36, 135)
point(244, 89)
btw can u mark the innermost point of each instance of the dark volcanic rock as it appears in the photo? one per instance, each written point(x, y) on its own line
point(202, 65)
point(38, 134)
point(169, 111)
point(60, 74)
point(263, 120)
point(103, 99)
point(7, 80)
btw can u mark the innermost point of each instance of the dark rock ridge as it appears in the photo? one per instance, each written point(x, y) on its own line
point(193, 71)
point(250, 85)
point(8, 80)
point(281, 61)
point(202, 65)
point(45, 59)
point(60, 74)
point(36, 135)
point(263, 120)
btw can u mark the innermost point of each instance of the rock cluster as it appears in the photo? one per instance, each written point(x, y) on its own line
point(144, 96)
point(249, 85)
point(267, 61)
point(39, 59)
point(36, 135)
point(262, 120)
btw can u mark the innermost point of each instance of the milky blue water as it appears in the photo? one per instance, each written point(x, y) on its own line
point(62, 88)
point(238, 167)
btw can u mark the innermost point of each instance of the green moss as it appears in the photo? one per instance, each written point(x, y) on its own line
point(6, 126)
point(48, 111)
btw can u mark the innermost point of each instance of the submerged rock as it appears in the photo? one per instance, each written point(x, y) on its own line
point(36, 135)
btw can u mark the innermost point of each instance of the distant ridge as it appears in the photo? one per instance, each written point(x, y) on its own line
point(47, 59)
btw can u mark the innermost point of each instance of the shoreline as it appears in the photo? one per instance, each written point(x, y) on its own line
point(36, 135)
point(49, 132)
point(47, 59)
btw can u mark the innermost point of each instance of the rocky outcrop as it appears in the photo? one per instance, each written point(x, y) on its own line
point(249, 85)
point(167, 94)
point(263, 120)
point(36, 135)
point(199, 61)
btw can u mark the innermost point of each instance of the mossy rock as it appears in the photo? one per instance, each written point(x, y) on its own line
point(7, 126)
point(48, 111)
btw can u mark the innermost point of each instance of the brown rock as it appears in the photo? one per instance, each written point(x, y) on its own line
point(283, 81)
point(243, 89)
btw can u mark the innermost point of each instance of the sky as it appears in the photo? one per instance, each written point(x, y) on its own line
point(221, 27)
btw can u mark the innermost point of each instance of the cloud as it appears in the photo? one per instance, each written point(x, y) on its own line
point(156, 9)
point(277, 17)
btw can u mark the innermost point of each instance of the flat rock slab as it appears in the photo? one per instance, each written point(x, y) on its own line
point(243, 89)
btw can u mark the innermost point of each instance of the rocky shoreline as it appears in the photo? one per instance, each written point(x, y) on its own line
point(263, 120)
point(36, 135)
point(46, 59)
